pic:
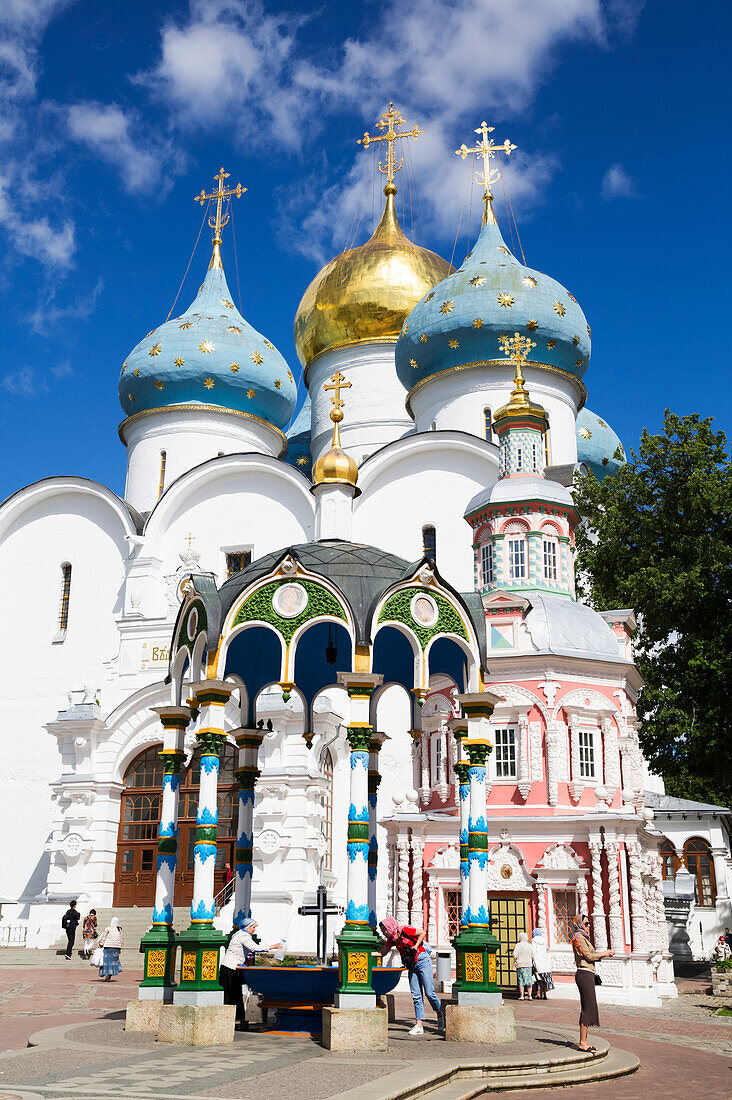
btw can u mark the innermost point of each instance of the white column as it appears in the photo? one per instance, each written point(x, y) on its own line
point(615, 917)
point(599, 930)
point(417, 880)
point(541, 896)
point(432, 934)
point(575, 787)
point(391, 883)
point(425, 789)
point(374, 779)
point(582, 906)
point(477, 836)
point(402, 906)
point(612, 755)
point(552, 766)
point(461, 771)
point(174, 721)
point(524, 777)
point(247, 773)
point(637, 907)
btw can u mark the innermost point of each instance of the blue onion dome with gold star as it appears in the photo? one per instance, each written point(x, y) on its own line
point(598, 446)
point(460, 322)
point(209, 357)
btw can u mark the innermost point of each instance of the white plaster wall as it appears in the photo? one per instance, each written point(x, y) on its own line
point(456, 400)
point(374, 412)
point(425, 479)
point(188, 439)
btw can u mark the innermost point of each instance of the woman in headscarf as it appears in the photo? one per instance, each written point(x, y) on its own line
point(239, 950)
point(542, 965)
point(585, 957)
point(111, 941)
point(523, 959)
point(409, 942)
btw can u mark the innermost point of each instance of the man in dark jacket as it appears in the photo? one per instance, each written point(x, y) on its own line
point(69, 921)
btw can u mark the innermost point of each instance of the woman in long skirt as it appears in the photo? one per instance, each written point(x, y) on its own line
point(111, 941)
point(585, 957)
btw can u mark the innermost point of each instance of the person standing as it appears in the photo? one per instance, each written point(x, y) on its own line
point(722, 950)
point(409, 942)
point(89, 931)
point(542, 965)
point(585, 957)
point(112, 942)
point(69, 921)
point(523, 960)
point(239, 950)
point(228, 878)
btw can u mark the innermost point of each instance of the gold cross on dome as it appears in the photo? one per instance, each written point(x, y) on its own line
point(220, 219)
point(486, 149)
point(517, 348)
point(389, 121)
point(189, 540)
point(336, 413)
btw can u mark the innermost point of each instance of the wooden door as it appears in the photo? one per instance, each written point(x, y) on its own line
point(135, 882)
point(509, 916)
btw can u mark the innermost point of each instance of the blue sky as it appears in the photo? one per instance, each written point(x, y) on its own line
point(113, 116)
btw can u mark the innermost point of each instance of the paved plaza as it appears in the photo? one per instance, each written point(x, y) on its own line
point(74, 1024)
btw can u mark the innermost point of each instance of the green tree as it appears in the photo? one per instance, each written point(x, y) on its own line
point(658, 538)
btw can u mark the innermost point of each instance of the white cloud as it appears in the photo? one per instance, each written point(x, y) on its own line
point(49, 314)
point(617, 184)
point(33, 236)
point(117, 138)
point(26, 382)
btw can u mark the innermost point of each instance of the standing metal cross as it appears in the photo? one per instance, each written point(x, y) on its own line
point(336, 413)
point(221, 219)
point(322, 909)
point(486, 149)
point(388, 121)
point(517, 348)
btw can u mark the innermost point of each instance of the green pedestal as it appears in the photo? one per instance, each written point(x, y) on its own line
point(356, 946)
point(199, 958)
point(159, 945)
point(475, 961)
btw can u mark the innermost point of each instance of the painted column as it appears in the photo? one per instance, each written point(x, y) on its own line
point(159, 943)
point(524, 777)
point(599, 929)
point(575, 787)
point(417, 880)
point(541, 892)
point(461, 770)
point(477, 751)
point(374, 780)
point(358, 939)
point(425, 788)
point(200, 943)
point(552, 766)
point(391, 881)
point(615, 917)
point(248, 741)
point(637, 908)
point(402, 904)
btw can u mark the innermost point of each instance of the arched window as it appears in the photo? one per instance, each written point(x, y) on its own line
point(669, 860)
point(551, 557)
point(516, 551)
point(487, 563)
point(161, 481)
point(488, 425)
point(698, 860)
point(429, 542)
point(63, 614)
point(327, 766)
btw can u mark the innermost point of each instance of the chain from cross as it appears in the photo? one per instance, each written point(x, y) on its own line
point(486, 149)
point(221, 219)
point(322, 909)
point(389, 121)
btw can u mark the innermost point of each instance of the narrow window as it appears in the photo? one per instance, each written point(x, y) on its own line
point(546, 444)
point(63, 615)
point(236, 561)
point(436, 775)
point(505, 753)
point(517, 559)
point(698, 860)
point(487, 563)
point(429, 543)
point(550, 560)
point(519, 457)
point(565, 914)
point(669, 860)
point(161, 482)
point(534, 464)
point(488, 424)
point(328, 809)
point(587, 754)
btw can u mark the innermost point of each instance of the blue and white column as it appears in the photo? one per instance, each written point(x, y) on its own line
point(374, 779)
point(249, 741)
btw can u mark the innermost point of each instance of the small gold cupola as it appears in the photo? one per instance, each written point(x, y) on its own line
point(335, 466)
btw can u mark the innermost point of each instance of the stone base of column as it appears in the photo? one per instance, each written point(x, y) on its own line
point(198, 997)
point(475, 961)
point(143, 1015)
point(199, 966)
point(356, 946)
point(159, 946)
point(477, 1000)
point(466, 1023)
point(355, 1029)
point(354, 1000)
point(199, 1025)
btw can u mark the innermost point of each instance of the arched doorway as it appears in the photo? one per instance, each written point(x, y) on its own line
point(137, 841)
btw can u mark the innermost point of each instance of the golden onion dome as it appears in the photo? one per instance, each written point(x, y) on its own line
point(335, 466)
point(365, 294)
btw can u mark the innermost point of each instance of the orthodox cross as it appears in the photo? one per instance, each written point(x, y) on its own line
point(517, 347)
point(389, 121)
point(221, 219)
point(336, 413)
point(486, 149)
point(321, 910)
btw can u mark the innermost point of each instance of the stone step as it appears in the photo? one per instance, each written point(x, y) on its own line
point(134, 922)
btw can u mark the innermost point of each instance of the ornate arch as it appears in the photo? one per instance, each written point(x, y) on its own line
point(516, 696)
point(507, 869)
point(587, 698)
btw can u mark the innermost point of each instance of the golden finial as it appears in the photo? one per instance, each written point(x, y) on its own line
point(486, 149)
point(389, 121)
point(335, 466)
point(221, 218)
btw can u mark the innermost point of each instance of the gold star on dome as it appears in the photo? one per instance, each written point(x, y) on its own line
point(179, 362)
point(532, 325)
point(289, 375)
point(257, 357)
point(278, 383)
point(447, 307)
point(234, 328)
point(589, 332)
point(572, 297)
point(234, 368)
point(529, 280)
point(579, 363)
point(430, 296)
point(477, 280)
point(506, 251)
point(601, 423)
point(424, 337)
point(477, 323)
point(155, 350)
point(251, 393)
point(302, 462)
point(124, 367)
point(585, 433)
point(136, 372)
point(209, 383)
point(413, 363)
point(206, 347)
point(575, 339)
point(505, 300)
point(227, 303)
point(130, 397)
point(158, 384)
point(268, 345)
point(405, 327)
point(186, 324)
point(559, 309)
point(551, 344)
point(453, 343)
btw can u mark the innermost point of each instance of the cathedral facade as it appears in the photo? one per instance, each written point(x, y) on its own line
point(420, 505)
